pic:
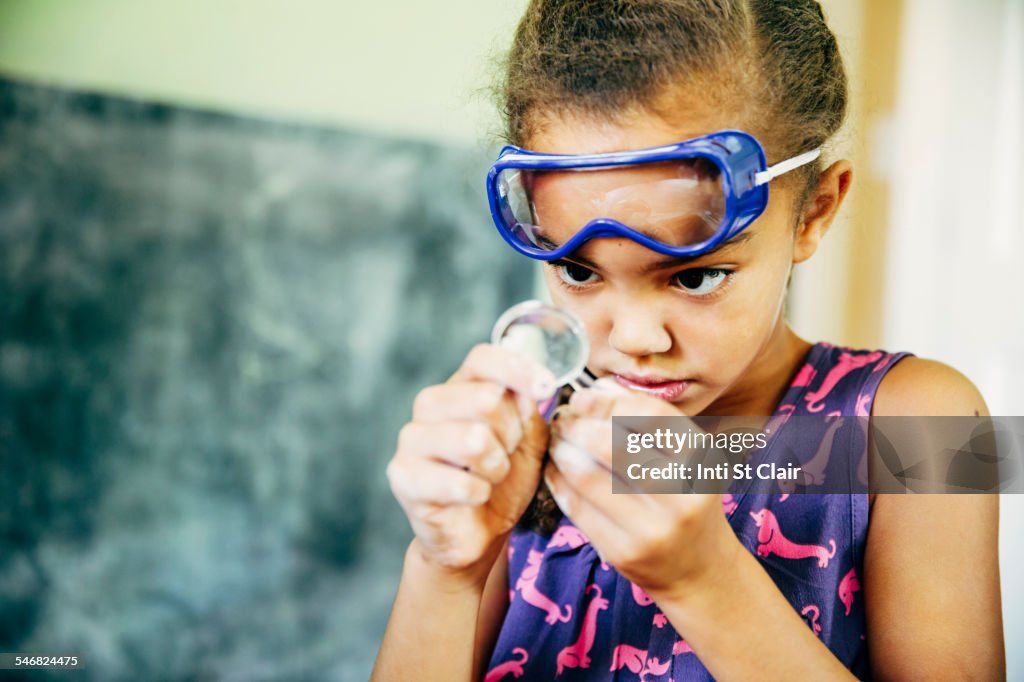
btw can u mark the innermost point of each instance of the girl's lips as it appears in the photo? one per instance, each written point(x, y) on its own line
point(665, 390)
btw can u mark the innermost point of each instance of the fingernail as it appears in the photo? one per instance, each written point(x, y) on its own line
point(476, 439)
point(481, 496)
point(570, 458)
point(560, 500)
point(543, 387)
point(494, 460)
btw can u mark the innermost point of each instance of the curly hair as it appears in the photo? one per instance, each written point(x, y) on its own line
point(774, 64)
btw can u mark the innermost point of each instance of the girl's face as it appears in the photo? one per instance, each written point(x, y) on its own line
point(700, 333)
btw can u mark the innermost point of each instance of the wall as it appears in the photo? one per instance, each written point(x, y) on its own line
point(211, 329)
point(414, 69)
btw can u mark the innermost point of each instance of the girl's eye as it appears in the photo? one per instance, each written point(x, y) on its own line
point(575, 274)
point(701, 281)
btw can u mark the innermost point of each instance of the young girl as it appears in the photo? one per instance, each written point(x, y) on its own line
point(675, 248)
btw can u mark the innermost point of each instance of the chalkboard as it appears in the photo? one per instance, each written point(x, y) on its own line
point(211, 329)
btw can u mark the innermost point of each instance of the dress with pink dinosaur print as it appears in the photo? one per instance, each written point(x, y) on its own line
point(573, 617)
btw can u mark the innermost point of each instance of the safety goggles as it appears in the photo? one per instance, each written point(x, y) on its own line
point(681, 199)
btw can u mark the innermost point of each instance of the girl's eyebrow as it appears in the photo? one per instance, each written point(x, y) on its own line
point(675, 261)
point(663, 264)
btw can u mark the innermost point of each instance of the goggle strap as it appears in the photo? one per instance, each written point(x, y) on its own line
point(782, 167)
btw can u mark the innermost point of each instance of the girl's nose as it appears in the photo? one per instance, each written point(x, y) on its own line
point(638, 330)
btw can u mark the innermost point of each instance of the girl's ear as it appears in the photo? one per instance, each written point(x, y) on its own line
point(820, 209)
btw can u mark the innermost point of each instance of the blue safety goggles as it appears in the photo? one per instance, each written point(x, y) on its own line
point(681, 199)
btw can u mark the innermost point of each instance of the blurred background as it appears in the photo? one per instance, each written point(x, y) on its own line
point(226, 266)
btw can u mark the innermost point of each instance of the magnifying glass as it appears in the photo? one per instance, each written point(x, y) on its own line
point(552, 336)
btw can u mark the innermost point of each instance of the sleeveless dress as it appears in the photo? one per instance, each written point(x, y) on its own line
point(572, 617)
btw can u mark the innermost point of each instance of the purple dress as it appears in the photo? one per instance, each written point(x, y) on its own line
point(571, 617)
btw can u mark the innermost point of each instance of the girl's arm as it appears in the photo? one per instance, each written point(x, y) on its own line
point(742, 627)
point(465, 469)
point(437, 613)
point(493, 608)
point(932, 564)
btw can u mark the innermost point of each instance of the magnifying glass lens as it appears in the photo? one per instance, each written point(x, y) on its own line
point(553, 337)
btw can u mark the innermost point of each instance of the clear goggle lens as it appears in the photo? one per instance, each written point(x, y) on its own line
point(679, 203)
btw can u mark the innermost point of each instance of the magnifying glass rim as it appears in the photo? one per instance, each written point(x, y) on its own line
point(534, 306)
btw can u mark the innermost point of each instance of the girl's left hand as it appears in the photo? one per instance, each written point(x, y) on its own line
point(664, 543)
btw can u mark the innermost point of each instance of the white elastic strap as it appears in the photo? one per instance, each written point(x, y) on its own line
point(785, 166)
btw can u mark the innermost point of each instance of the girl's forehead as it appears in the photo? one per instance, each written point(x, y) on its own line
point(579, 135)
point(676, 117)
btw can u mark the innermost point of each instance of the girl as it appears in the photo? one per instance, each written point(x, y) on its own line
point(677, 258)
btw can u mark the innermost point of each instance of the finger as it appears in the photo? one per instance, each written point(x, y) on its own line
point(588, 472)
point(603, 530)
point(422, 481)
point(514, 370)
point(469, 445)
point(593, 436)
point(597, 438)
point(597, 400)
point(486, 402)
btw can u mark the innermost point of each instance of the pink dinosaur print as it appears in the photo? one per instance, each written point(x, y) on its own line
point(681, 647)
point(847, 363)
point(655, 667)
point(640, 596)
point(847, 586)
point(526, 584)
point(883, 364)
point(776, 422)
point(514, 666)
point(783, 497)
point(660, 620)
point(805, 376)
point(626, 656)
point(771, 540)
point(728, 504)
point(863, 408)
point(815, 612)
point(575, 655)
point(568, 535)
point(813, 471)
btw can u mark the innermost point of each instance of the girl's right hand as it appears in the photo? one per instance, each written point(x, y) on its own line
point(469, 462)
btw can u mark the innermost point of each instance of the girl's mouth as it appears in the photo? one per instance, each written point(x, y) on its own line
point(668, 390)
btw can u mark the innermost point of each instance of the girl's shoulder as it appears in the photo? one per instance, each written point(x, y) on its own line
point(901, 384)
point(922, 387)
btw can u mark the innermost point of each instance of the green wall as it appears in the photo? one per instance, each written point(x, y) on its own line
point(400, 67)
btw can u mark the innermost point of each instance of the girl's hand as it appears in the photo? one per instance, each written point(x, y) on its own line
point(665, 544)
point(469, 462)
